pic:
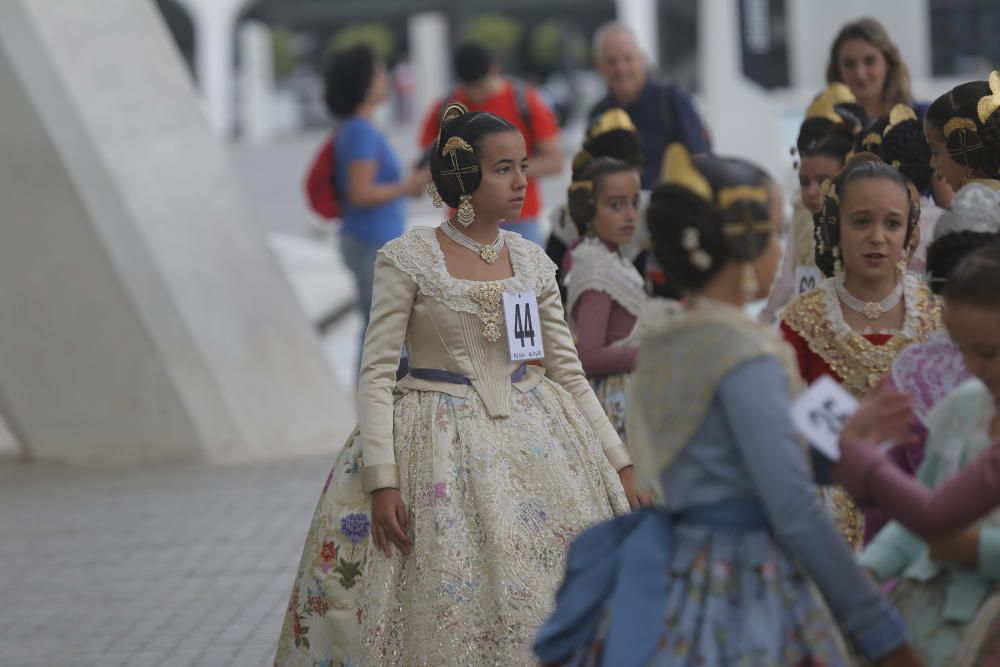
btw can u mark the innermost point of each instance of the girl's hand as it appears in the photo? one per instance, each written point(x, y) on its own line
point(389, 522)
point(635, 498)
point(959, 549)
point(884, 415)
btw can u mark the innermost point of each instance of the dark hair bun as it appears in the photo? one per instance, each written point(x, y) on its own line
point(976, 279)
point(460, 131)
point(674, 209)
point(694, 237)
point(905, 147)
point(944, 254)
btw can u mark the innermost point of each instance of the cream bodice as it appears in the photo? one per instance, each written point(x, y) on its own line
point(457, 326)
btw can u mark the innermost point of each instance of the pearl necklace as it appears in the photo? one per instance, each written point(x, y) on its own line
point(489, 252)
point(872, 310)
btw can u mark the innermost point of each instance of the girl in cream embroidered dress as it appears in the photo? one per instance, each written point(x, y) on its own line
point(497, 475)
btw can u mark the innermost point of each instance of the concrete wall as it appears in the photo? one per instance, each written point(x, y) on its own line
point(142, 317)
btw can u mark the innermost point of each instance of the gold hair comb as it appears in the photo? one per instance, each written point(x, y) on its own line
point(456, 144)
point(990, 103)
point(899, 114)
point(679, 169)
point(958, 123)
point(730, 195)
point(824, 106)
point(610, 120)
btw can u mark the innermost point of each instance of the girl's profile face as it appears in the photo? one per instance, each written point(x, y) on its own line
point(616, 211)
point(813, 170)
point(503, 160)
point(953, 172)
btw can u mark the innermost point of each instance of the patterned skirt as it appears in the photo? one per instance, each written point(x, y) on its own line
point(611, 391)
point(492, 507)
point(944, 643)
point(735, 598)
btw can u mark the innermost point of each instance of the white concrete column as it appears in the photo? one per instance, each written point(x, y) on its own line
point(642, 17)
point(214, 45)
point(256, 82)
point(738, 112)
point(812, 27)
point(143, 317)
point(430, 58)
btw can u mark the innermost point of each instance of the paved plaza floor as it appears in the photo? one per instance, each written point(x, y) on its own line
point(172, 566)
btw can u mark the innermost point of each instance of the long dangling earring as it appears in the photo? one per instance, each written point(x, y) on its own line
point(435, 196)
point(748, 282)
point(466, 214)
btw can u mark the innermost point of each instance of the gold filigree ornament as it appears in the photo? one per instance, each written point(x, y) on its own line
point(957, 124)
point(825, 105)
point(611, 120)
point(455, 144)
point(899, 114)
point(453, 111)
point(679, 169)
point(988, 104)
point(488, 296)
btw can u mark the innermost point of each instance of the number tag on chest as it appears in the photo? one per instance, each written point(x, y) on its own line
point(820, 413)
point(524, 326)
point(806, 278)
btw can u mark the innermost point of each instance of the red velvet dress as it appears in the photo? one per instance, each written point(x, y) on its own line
point(824, 344)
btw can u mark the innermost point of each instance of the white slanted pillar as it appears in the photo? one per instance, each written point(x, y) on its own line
point(142, 316)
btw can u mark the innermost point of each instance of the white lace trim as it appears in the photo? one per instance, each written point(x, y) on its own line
point(418, 254)
point(597, 268)
point(911, 314)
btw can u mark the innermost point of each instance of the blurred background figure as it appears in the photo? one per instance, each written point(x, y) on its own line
point(663, 113)
point(366, 169)
point(482, 88)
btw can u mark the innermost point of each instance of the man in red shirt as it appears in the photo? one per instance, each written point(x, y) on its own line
point(482, 88)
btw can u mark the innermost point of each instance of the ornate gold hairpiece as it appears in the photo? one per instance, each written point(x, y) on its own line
point(824, 106)
point(679, 169)
point(610, 120)
point(990, 103)
point(581, 185)
point(958, 123)
point(730, 195)
point(872, 139)
point(456, 144)
point(899, 114)
point(453, 110)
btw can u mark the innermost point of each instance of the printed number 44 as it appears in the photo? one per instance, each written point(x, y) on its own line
point(523, 325)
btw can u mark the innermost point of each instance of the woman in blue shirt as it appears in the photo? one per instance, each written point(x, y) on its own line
point(366, 170)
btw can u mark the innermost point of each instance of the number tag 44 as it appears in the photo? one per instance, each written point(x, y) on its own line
point(524, 330)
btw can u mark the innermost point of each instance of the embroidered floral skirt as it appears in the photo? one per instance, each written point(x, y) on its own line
point(492, 507)
point(611, 391)
point(735, 598)
point(944, 643)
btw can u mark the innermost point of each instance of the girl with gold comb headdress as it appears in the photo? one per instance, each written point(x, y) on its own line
point(825, 138)
point(440, 535)
point(721, 571)
point(963, 130)
point(610, 135)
